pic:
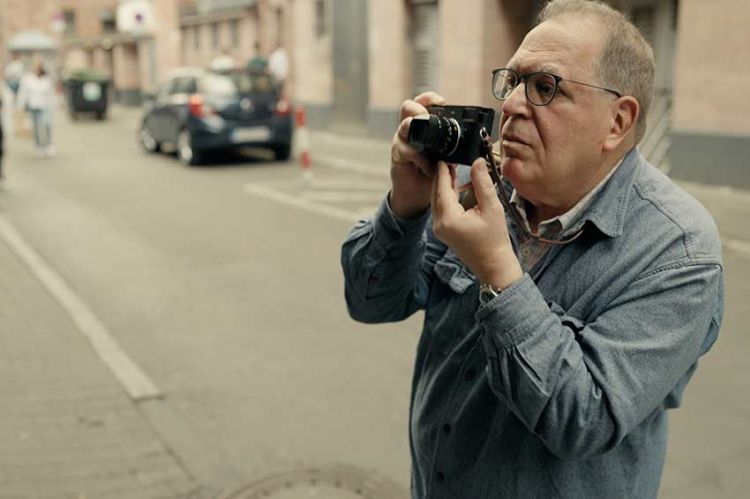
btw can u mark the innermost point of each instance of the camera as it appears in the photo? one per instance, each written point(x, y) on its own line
point(451, 133)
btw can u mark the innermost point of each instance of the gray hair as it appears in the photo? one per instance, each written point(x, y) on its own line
point(626, 63)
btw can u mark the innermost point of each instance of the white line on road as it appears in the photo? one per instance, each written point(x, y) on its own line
point(134, 381)
point(299, 202)
point(354, 184)
point(339, 196)
point(353, 166)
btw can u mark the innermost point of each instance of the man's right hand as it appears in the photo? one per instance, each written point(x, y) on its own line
point(411, 173)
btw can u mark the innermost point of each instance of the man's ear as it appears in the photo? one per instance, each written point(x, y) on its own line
point(625, 112)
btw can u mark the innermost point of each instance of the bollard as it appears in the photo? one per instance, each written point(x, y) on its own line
point(303, 143)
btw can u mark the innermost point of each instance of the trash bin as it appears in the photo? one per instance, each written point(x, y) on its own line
point(87, 92)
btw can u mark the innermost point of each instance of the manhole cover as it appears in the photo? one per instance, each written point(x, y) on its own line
point(332, 483)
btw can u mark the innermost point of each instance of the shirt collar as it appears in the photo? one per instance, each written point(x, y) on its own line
point(602, 205)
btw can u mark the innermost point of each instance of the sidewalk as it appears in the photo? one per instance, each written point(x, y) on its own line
point(729, 207)
point(68, 430)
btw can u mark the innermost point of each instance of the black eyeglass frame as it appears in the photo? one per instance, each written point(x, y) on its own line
point(523, 78)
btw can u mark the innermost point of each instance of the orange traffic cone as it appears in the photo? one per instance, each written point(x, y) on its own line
point(303, 142)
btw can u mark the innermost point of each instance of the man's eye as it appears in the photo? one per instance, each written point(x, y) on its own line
point(544, 87)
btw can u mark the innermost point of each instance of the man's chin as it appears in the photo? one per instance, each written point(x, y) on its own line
point(511, 168)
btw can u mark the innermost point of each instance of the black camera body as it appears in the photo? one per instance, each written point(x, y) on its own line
point(451, 133)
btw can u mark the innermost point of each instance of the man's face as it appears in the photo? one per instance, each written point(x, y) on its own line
point(552, 151)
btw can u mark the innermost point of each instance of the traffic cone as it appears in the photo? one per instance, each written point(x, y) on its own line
point(303, 143)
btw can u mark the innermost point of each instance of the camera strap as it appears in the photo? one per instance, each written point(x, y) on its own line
point(494, 170)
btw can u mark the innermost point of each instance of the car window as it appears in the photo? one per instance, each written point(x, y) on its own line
point(182, 85)
point(231, 84)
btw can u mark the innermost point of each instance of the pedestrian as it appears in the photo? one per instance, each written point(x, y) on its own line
point(545, 369)
point(278, 65)
point(258, 63)
point(37, 95)
point(14, 71)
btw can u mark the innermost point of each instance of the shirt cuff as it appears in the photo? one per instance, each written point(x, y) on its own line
point(391, 229)
point(513, 315)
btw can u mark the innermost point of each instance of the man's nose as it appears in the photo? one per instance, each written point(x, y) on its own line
point(516, 102)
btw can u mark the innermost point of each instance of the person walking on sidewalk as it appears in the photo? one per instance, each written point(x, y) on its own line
point(554, 340)
point(37, 95)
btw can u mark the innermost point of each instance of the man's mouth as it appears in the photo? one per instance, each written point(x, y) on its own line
point(514, 138)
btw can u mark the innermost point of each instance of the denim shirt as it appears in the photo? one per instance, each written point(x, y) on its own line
point(559, 386)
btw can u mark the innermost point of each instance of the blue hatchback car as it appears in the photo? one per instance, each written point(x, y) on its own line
point(197, 111)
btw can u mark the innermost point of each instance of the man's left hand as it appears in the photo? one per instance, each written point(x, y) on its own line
point(478, 236)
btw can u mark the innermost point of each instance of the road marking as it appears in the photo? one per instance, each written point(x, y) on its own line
point(351, 183)
point(134, 381)
point(339, 196)
point(299, 202)
point(352, 166)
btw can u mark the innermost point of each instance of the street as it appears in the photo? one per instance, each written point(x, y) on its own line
point(222, 284)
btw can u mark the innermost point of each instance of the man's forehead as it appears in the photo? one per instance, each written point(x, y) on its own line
point(557, 45)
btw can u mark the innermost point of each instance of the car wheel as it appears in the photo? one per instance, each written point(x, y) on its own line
point(185, 151)
point(283, 152)
point(147, 140)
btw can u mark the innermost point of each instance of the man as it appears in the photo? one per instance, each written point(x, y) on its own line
point(14, 71)
point(258, 63)
point(545, 370)
point(278, 64)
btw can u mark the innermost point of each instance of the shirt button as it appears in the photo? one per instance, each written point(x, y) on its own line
point(440, 476)
point(446, 428)
point(470, 374)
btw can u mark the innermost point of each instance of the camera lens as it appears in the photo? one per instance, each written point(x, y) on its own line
point(436, 137)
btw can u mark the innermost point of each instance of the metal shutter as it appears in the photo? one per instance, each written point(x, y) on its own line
point(425, 22)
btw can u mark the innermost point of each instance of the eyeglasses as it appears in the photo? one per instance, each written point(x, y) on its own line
point(541, 87)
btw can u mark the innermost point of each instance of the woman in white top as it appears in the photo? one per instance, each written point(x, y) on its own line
point(37, 95)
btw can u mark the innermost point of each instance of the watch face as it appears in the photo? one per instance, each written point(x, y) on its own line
point(486, 295)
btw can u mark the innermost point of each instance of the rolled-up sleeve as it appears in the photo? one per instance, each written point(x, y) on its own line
point(583, 387)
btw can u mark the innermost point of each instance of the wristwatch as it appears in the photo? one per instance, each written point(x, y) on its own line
point(487, 292)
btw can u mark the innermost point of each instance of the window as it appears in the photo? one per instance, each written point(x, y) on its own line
point(234, 32)
point(424, 46)
point(182, 85)
point(215, 35)
point(109, 22)
point(321, 21)
point(197, 37)
point(69, 18)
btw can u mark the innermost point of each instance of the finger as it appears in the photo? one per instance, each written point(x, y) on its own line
point(444, 196)
point(402, 153)
point(430, 99)
point(411, 108)
point(484, 189)
point(403, 129)
point(452, 170)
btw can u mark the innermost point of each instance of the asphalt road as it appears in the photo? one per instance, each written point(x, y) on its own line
point(230, 302)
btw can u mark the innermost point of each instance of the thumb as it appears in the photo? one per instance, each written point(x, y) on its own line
point(484, 189)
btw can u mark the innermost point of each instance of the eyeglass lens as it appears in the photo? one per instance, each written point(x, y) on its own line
point(540, 87)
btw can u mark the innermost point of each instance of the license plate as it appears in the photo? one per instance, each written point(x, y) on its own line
point(258, 133)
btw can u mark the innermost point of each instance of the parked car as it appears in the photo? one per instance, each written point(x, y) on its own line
point(198, 111)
